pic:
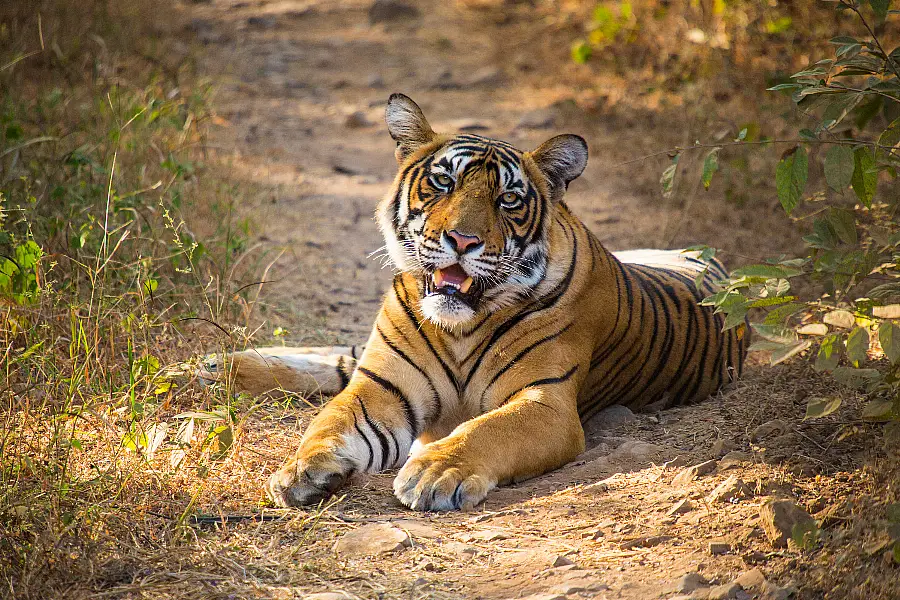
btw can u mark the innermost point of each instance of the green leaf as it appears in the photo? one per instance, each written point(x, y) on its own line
point(858, 345)
point(779, 315)
point(766, 271)
point(897, 552)
point(772, 301)
point(710, 166)
point(776, 333)
point(735, 316)
point(864, 179)
point(839, 167)
point(821, 407)
point(829, 353)
point(843, 222)
point(790, 177)
point(878, 409)
point(221, 438)
point(780, 356)
point(889, 337)
point(889, 139)
point(581, 52)
point(667, 180)
point(881, 9)
point(856, 378)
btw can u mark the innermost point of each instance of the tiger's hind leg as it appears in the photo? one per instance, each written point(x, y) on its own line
point(313, 370)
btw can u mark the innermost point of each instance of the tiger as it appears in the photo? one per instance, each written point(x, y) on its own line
point(506, 327)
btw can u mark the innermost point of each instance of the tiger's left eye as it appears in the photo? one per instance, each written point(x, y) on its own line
point(510, 200)
point(442, 180)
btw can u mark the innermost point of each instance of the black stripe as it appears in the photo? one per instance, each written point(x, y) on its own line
point(381, 437)
point(393, 389)
point(401, 354)
point(547, 381)
point(547, 302)
point(365, 439)
point(417, 326)
point(341, 373)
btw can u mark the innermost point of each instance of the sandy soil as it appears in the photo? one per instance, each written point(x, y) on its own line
point(301, 88)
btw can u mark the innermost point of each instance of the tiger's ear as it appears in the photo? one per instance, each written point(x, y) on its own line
point(407, 125)
point(562, 158)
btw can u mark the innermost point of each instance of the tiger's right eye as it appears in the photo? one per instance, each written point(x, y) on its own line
point(442, 181)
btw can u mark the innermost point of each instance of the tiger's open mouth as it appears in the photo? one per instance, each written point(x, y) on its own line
point(453, 281)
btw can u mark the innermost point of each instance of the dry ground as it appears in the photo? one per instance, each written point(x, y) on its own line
point(301, 90)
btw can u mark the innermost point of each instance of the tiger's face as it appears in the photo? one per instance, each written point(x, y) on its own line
point(469, 216)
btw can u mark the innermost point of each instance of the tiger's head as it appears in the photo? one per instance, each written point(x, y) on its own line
point(469, 216)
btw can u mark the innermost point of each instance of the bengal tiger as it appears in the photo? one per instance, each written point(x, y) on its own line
point(507, 325)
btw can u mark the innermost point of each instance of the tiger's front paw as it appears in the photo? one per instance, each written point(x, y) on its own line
point(434, 480)
point(308, 480)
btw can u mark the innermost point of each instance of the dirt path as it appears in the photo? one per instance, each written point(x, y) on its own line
point(301, 90)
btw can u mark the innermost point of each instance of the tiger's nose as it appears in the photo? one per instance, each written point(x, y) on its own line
point(461, 242)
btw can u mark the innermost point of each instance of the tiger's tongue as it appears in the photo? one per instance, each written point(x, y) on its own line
point(453, 275)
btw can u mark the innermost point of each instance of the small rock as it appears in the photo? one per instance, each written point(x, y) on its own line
point(681, 507)
point(577, 582)
point(778, 518)
point(418, 529)
point(612, 417)
point(729, 490)
point(726, 591)
point(544, 596)
point(635, 449)
point(391, 10)
point(356, 120)
point(735, 458)
point(644, 541)
point(487, 76)
point(720, 447)
point(753, 578)
point(541, 118)
point(487, 535)
point(772, 591)
point(691, 473)
point(717, 548)
point(783, 441)
point(372, 539)
point(769, 428)
point(375, 81)
point(463, 551)
point(562, 561)
point(689, 582)
point(329, 596)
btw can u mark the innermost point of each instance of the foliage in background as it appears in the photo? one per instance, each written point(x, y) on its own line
point(106, 277)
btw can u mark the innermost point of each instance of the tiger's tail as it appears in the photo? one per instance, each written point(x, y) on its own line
point(324, 370)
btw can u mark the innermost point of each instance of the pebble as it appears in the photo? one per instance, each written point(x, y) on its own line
point(375, 81)
point(418, 529)
point(329, 596)
point(778, 518)
point(735, 458)
point(720, 447)
point(613, 416)
point(690, 582)
point(772, 591)
point(753, 578)
point(544, 596)
point(562, 561)
point(487, 535)
point(262, 21)
point(681, 507)
point(636, 449)
point(686, 476)
point(391, 10)
point(717, 548)
point(725, 591)
point(773, 427)
point(372, 539)
point(729, 490)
